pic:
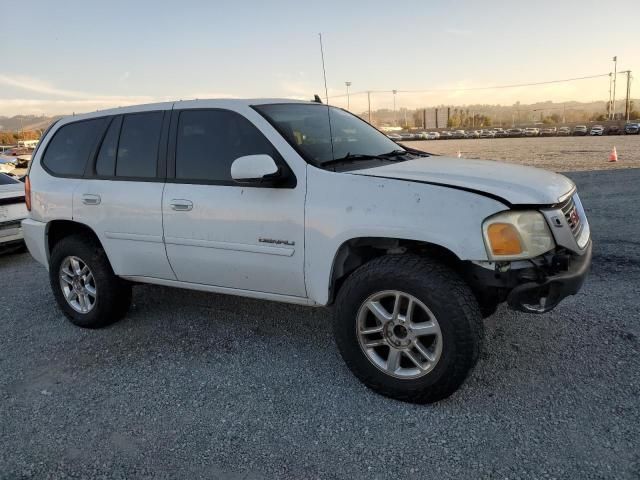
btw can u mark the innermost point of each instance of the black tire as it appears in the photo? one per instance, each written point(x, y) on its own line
point(439, 288)
point(113, 294)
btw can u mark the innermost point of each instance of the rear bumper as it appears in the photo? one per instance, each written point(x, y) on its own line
point(35, 236)
point(10, 232)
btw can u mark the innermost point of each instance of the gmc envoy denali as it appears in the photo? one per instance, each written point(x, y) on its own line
point(303, 203)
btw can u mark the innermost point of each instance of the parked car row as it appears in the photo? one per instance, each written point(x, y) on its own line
point(497, 132)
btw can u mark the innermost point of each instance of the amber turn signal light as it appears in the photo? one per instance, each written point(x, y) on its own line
point(27, 193)
point(504, 239)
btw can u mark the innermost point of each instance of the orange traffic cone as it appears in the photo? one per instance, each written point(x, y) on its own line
point(459, 154)
point(613, 156)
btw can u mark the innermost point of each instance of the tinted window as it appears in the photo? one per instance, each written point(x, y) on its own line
point(69, 150)
point(138, 146)
point(106, 161)
point(209, 141)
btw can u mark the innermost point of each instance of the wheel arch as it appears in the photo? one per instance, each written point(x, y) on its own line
point(355, 252)
point(60, 229)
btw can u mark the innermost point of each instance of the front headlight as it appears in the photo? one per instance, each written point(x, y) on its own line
point(515, 235)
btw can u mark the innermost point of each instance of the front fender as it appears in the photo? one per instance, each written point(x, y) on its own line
point(341, 207)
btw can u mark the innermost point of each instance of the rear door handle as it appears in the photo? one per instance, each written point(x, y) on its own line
point(181, 205)
point(90, 199)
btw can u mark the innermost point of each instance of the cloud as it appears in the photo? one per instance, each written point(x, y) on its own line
point(52, 100)
point(38, 86)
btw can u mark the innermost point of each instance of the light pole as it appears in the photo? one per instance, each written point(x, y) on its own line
point(615, 74)
point(395, 119)
point(609, 106)
point(348, 84)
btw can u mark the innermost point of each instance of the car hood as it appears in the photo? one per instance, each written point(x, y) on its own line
point(515, 184)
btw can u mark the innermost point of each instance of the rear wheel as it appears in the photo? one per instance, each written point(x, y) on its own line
point(84, 285)
point(408, 327)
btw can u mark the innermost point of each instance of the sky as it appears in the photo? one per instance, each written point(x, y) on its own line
point(77, 56)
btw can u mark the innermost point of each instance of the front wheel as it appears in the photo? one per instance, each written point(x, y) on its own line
point(408, 327)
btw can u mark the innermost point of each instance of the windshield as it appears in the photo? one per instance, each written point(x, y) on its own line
point(7, 180)
point(306, 127)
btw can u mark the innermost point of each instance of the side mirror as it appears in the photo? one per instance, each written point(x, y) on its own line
point(255, 169)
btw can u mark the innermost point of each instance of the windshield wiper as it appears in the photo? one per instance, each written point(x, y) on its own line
point(356, 157)
point(395, 153)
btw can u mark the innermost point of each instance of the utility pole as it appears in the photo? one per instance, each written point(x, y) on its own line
point(615, 74)
point(436, 117)
point(395, 118)
point(609, 105)
point(626, 103)
point(369, 102)
point(348, 84)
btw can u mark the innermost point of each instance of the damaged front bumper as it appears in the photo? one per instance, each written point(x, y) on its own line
point(540, 296)
point(534, 288)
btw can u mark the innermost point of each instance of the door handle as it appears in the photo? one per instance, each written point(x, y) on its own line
point(181, 205)
point(90, 199)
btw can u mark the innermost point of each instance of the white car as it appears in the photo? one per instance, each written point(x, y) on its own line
point(267, 199)
point(597, 130)
point(12, 211)
point(433, 135)
point(531, 132)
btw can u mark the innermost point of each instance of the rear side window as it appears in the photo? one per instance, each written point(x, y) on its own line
point(69, 150)
point(137, 154)
point(208, 142)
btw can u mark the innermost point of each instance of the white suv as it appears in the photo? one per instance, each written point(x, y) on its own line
point(303, 203)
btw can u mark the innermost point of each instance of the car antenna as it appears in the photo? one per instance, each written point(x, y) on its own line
point(317, 99)
point(326, 93)
point(324, 71)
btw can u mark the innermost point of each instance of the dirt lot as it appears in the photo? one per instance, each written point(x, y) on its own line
point(194, 385)
point(561, 154)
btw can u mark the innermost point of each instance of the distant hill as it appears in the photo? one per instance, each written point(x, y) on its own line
point(26, 122)
point(573, 111)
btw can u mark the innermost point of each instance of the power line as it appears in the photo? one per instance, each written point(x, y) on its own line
point(495, 87)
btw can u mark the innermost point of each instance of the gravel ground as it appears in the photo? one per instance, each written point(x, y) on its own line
point(562, 154)
point(194, 385)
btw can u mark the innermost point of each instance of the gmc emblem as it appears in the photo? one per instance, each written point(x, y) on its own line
point(574, 218)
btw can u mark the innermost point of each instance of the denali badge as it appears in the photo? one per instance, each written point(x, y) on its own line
point(276, 242)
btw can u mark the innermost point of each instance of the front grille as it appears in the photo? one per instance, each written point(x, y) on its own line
point(572, 216)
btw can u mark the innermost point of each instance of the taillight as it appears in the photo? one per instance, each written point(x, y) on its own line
point(27, 192)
